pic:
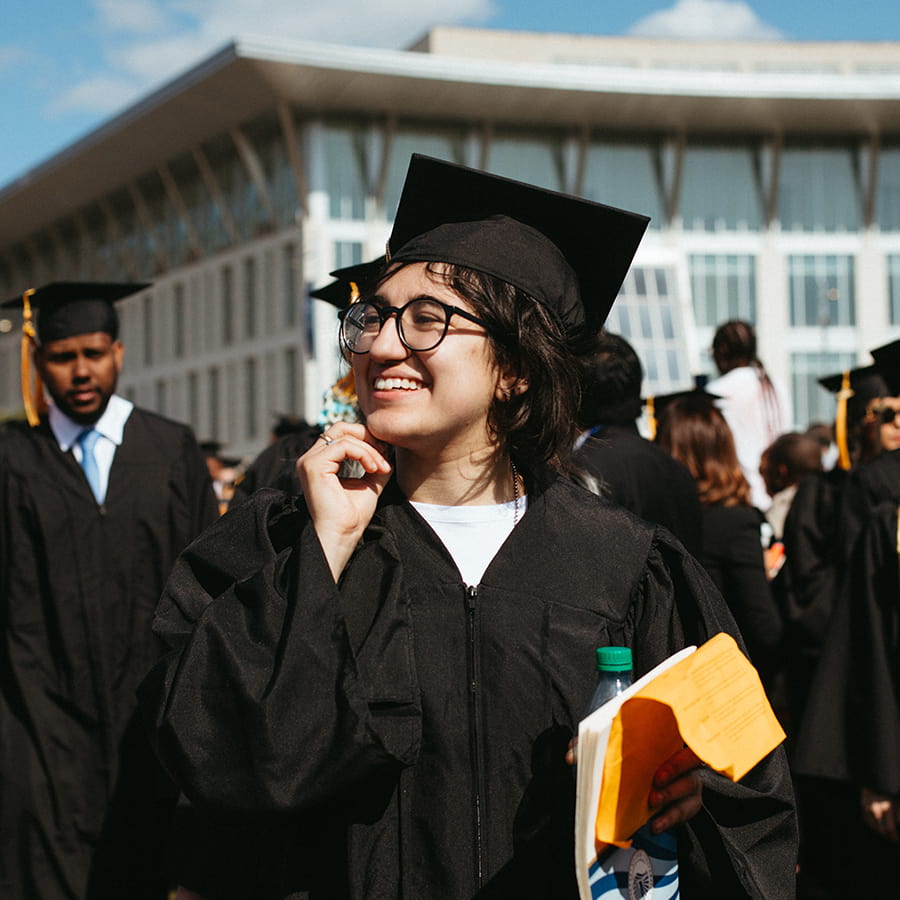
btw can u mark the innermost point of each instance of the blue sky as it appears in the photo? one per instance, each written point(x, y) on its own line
point(68, 65)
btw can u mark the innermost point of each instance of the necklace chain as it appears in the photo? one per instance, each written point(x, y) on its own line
point(515, 474)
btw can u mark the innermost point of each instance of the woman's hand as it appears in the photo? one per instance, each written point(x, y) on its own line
point(341, 508)
point(880, 813)
point(677, 791)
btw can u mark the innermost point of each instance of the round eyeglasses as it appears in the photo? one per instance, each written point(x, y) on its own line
point(421, 324)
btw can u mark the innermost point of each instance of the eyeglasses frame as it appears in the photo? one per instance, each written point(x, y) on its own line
point(385, 312)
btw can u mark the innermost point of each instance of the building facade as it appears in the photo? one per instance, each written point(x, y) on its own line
point(771, 172)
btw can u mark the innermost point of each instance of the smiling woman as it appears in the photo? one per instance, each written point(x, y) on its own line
point(385, 680)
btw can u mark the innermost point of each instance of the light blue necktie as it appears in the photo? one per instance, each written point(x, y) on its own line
point(87, 440)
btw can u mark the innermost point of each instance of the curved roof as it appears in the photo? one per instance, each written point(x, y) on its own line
point(248, 76)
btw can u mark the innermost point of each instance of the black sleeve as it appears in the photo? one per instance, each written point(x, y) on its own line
point(254, 624)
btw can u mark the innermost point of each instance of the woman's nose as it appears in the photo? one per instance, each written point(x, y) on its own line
point(387, 343)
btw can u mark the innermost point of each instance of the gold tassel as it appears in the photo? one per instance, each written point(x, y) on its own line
point(32, 387)
point(354, 293)
point(651, 418)
point(840, 422)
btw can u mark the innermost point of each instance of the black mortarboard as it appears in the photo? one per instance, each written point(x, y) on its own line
point(351, 282)
point(887, 359)
point(570, 254)
point(655, 404)
point(214, 449)
point(68, 308)
point(858, 386)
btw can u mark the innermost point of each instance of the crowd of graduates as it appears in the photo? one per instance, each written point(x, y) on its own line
point(340, 663)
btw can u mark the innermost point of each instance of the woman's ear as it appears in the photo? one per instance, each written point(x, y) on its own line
point(509, 386)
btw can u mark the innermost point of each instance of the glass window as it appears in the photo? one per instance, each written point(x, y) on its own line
point(250, 297)
point(347, 253)
point(193, 400)
point(289, 283)
point(161, 397)
point(291, 396)
point(345, 172)
point(213, 385)
point(624, 175)
point(250, 406)
point(179, 323)
point(893, 274)
point(527, 159)
point(887, 202)
point(147, 330)
point(822, 290)
point(406, 141)
point(818, 190)
point(720, 190)
point(646, 314)
point(811, 402)
point(723, 288)
point(227, 306)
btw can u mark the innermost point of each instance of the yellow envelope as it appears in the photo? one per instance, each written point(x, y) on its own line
point(713, 702)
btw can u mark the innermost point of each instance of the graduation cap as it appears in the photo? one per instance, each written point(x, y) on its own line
point(64, 309)
point(214, 449)
point(655, 404)
point(350, 283)
point(887, 360)
point(861, 384)
point(568, 253)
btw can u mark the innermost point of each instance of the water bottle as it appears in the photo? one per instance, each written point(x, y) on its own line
point(649, 868)
point(613, 675)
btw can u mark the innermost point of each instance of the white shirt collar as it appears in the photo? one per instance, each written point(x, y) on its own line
point(111, 424)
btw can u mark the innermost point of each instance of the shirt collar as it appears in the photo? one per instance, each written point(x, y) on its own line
point(111, 424)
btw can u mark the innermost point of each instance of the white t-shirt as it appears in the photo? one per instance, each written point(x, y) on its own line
point(472, 534)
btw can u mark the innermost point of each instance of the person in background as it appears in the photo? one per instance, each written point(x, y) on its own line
point(383, 684)
point(625, 466)
point(97, 498)
point(223, 470)
point(783, 465)
point(755, 407)
point(694, 431)
point(830, 512)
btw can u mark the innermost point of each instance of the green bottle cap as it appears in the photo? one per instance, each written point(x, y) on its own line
point(614, 659)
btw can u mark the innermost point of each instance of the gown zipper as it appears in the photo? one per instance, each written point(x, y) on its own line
point(474, 719)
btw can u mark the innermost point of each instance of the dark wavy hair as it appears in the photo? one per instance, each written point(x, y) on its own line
point(537, 425)
point(694, 431)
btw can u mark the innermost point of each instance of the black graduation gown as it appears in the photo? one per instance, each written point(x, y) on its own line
point(403, 735)
point(809, 580)
point(78, 784)
point(850, 734)
point(733, 556)
point(646, 480)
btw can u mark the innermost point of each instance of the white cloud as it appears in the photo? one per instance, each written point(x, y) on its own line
point(145, 42)
point(10, 57)
point(722, 20)
point(129, 15)
point(102, 93)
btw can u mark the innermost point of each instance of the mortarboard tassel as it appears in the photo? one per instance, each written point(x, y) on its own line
point(32, 387)
point(840, 422)
point(651, 418)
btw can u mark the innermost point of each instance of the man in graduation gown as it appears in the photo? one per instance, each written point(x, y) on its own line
point(97, 498)
point(627, 467)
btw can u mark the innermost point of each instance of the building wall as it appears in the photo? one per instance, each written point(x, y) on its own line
point(800, 235)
